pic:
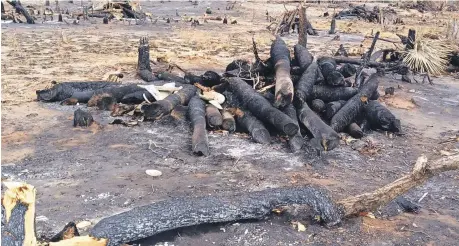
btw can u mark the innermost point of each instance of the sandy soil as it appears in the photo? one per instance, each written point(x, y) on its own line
point(86, 174)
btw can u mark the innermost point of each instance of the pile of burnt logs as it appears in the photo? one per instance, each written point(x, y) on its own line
point(305, 99)
point(385, 15)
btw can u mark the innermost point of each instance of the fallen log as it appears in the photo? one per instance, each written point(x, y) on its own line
point(197, 116)
point(330, 94)
point(82, 118)
point(171, 77)
point(20, 9)
point(261, 108)
point(354, 130)
point(213, 116)
point(347, 114)
point(174, 213)
point(296, 142)
point(303, 57)
point(318, 106)
point(304, 86)
point(252, 125)
point(380, 118)
point(82, 91)
point(328, 67)
point(325, 138)
point(332, 108)
point(302, 33)
point(143, 62)
point(116, 93)
point(137, 97)
point(284, 85)
point(18, 215)
point(163, 107)
point(229, 123)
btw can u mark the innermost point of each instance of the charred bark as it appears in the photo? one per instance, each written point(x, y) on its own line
point(296, 142)
point(354, 106)
point(328, 68)
point(302, 33)
point(325, 138)
point(261, 108)
point(163, 107)
point(354, 130)
point(304, 86)
point(284, 85)
point(330, 94)
point(174, 213)
point(213, 116)
point(354, 61)
point(20, 9)
point(197, 115)
point(253, 126)
point(303, 57)
point(143, 63)
point(117, 93)
point(171, 77)
point(332, 26)
point(380, 118)
point(82, 91)
point(137, 97)
point(229, 123)
point(347, 70)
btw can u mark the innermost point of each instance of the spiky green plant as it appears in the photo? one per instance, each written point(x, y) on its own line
point(427, 56)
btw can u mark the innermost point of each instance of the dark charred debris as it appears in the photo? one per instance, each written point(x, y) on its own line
point(271, 100)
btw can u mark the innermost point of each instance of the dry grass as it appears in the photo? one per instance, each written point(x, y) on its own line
point(428, 56)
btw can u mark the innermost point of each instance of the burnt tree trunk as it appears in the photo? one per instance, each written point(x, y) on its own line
point(284, 85)
point(380, 117)
point(253, 126)
point(332, 26)
point(143, 62)
point(20, 9)
point(302, 34)
point(197, 115)
point(304, 86)
point(262, 108)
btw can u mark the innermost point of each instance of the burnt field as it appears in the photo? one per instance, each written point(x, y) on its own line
point(85, 174)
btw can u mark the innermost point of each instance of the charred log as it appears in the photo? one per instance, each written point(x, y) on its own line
point(137, 97)
point(354, 130)
point(330, 94)
point(171, 77)
point(328, 68)
point(304, 86)
point(332, 108)
point(380, 118)
point(197, 115)
point(325, 138)
point(253, 126)
point(284, 85)
point(295, 142)
point(332, 26)
point(354, 61)
point(347, 70)
point(318, 106)
point(163, 107)
point(261, 108)
point(174, 213)
point(347, 114)
point(82, 91)
point(143, 62)
point(20, 9)
point(303, 57)
point(115, 92)
point(229, 123)
point(213, 116)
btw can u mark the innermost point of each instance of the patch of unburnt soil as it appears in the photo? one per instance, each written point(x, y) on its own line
point(87, 174)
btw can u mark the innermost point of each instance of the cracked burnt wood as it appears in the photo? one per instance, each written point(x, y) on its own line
point(18, 215)
point(296, 142)
point(105, 97)
point(197, 116)
point(284, 85)
point(163, 107)
point(149, 220)
point(380, 118)
point(354, 106)
point(20, 9)
point(318, 106)
point(171, 77)
point(304, 86)
point(325, 138)
point(328, 69)
point(213, 116)
point(330, 94)
point(261, 108)
point(143, 62)
point(82, 91)
point(229, 123)
point(303, 57)
point(302, 34)
point(249, 123)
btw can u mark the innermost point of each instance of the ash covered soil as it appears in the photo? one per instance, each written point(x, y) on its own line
point(88, 174)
